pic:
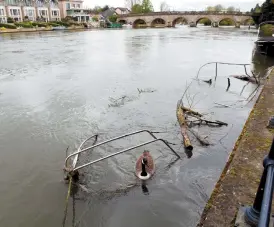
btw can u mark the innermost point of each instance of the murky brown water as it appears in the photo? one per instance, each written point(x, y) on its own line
point(57, 88)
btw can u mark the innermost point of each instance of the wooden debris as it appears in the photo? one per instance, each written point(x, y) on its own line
point(202, 141)
point(201, 121)
point(183, 125)
point(191, 112)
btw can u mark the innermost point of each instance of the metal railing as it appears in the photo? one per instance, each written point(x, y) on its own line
point(259, 214)
point(80, 150)
point(223, 63)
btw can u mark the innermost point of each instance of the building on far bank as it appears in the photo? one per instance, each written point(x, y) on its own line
point(122, 11)
point(74, 8)
point(29, 10)
point(51, 10)
point(3, 14)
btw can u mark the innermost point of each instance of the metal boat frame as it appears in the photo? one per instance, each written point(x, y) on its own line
point(75, 168)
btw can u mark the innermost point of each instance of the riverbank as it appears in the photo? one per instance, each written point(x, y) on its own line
point(37, 29)
point(240, 178)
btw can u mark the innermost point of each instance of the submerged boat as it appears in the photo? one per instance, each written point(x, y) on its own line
point(265, 42)
point(127, 26)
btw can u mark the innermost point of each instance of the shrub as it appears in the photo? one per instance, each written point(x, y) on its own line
point(11, 26)
point(53, 24)
point(10, 20)
point(39, 24)
point(24, 24)
point(267, 30)
point(62, 23)
point(95, 18)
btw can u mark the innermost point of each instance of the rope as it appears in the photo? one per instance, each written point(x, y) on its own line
point(66, 201)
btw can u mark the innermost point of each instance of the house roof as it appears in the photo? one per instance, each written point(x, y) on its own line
point(122, 9)
point(108, 12)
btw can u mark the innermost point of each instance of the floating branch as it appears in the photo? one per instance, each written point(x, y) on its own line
point(183, 125)
point(191, 112)
point(146, 90)
point(202, 141)
point(201, 121)
point(222, 105)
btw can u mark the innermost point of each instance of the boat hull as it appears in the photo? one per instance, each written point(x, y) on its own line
point(265, 47)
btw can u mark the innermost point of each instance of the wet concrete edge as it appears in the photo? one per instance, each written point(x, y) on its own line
point(240, 178)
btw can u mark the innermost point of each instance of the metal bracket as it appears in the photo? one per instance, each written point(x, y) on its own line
point(80, 150)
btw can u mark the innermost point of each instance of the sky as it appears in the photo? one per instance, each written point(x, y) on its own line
point(244, 5)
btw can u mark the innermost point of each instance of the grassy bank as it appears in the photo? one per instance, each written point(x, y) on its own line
point(240, 178)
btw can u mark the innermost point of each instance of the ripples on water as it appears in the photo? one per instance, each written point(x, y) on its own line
point(57, 89)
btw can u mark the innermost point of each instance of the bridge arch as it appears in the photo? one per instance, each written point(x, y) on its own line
point(248, 21)
point(122, 21)
point(139, 23)
point(158, 22)
point(179, 20)
point(208, 21)
point(228, 21)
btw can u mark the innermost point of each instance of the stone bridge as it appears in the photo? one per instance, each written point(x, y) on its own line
point(170, 19)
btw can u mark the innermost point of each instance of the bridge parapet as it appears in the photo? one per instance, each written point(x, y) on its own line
point(185, 13)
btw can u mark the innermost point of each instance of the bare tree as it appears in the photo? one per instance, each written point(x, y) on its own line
point(164, 7)
point(130, 3)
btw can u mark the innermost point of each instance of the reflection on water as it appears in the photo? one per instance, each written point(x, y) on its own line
point(261, 63)
point(56, 90)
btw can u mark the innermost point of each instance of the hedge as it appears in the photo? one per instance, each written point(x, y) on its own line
point(39, 24)
point(11, 26)
point(24, 24)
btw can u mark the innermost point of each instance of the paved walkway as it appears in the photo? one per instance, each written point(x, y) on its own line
point(241, 175)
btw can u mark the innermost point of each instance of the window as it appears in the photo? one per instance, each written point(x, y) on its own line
point(73, 6)
point(2, 12)
point(14, 12)
point(43, 13)
point(67, 5)
point(55, 13)
point(78, 6)
point(29, 12)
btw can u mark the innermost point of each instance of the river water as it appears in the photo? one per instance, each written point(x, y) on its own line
point(58, 88)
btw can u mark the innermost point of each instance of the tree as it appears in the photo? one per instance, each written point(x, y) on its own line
point(106, 7)
point(137, 8)
point(97, 9)
point(257, 9)
point(266, 11)
point(113, 18)
point(130, 3)
point(147, 6)
point(164, 7)
point(210, 8)
point(231, 9)
point(218, 8)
